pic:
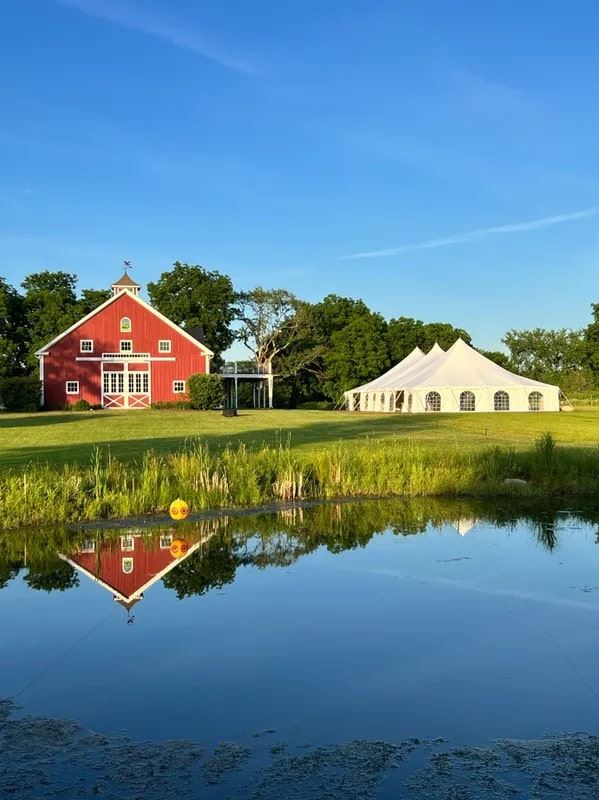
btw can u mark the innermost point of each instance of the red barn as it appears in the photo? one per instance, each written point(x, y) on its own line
point(127, 567)
point(124, 354)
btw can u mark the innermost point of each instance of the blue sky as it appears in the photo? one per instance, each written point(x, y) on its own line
point(437, 159)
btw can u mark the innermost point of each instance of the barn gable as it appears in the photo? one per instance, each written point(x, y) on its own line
point(123, 293)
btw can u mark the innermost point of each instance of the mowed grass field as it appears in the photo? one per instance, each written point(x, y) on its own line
point(68, 437)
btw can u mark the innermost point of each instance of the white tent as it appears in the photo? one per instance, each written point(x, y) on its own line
point(379, 394)
point(460, 379)
point(464, 525)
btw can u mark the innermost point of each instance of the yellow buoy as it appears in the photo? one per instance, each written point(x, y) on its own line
point(178, 548)
point(179, 509)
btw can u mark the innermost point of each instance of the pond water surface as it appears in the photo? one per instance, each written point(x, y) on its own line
point(367, 650)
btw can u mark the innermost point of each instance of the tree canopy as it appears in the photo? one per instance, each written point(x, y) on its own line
point(406, 333)
point(192, 296)
point(590, 344)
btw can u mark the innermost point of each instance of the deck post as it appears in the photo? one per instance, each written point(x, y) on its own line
point(270, 389)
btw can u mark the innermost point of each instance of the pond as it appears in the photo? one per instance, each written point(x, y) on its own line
point(382, 649)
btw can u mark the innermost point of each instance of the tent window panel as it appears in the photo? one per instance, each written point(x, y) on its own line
point(535, 401)
point(433, 401)
point(382, 401)
point(501, 401)
point(467, 401)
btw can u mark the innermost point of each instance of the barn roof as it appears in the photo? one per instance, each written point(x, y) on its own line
point(126, 280)
point(43, 350)
point(197, 332)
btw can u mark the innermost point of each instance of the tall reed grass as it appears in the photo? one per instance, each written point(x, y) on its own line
point(108, 487)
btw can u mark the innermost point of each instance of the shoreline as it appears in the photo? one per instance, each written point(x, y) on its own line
point(239, 481)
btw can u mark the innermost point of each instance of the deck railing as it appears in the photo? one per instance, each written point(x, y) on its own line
point(243, 368)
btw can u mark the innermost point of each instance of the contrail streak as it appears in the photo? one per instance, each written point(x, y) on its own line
point(474, 236)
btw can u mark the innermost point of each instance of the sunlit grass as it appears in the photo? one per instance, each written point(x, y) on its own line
point(69, 437)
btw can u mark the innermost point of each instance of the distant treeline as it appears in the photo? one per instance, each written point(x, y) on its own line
point(318, 349)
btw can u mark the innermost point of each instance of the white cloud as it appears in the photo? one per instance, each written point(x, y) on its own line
point(137, 17)
point(477, 235)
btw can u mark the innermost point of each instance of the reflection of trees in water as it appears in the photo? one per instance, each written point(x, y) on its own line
point(8, 571)
point(211, 567)
point(546, 534)
point(56, 575)
point(280, 539)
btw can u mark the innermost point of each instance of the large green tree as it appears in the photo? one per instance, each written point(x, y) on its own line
point(50, 306)
point(544, 354)
point(590, 348)
point(275, 326)
point(12, 330)
point(358, 353)
point(91, 299)
point(406, 333)
point(193, 296)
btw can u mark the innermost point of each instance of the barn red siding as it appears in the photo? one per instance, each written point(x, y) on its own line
point(148, 558)
point(61, 365)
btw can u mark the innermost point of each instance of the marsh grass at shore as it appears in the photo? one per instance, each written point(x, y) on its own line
point(108, 487)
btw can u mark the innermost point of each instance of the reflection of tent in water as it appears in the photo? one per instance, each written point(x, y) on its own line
point(464, 525)
point(127, 566)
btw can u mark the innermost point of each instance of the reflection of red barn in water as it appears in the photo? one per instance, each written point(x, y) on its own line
point(129, 565)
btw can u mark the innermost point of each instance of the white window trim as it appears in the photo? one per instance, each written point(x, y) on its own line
point(125, 546)
point(82, 342)
point(166, 541)
point(126, 330)
point(179, 391)
point(121, 346)
point(168, 342)
point(71, 391)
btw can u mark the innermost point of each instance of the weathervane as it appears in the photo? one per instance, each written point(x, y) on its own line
point(127, 265)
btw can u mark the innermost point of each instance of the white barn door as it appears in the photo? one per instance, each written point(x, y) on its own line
point(124, 389)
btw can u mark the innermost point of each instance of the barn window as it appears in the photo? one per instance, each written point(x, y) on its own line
point(501, 401)
point(127, 564)
point(164, 345)
point(178, 387)
point(126, 326)
point(86, 345)
point(433, 401)
point(126, 346)
point(535, 401)
point(72, 387)
point(88, 546)
point(127, 543)
point(166, 541)
point(467, 401)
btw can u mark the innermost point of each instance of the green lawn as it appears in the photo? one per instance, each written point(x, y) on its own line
point(69, 437)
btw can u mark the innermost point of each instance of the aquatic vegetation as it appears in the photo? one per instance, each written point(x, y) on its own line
point(47, 758)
